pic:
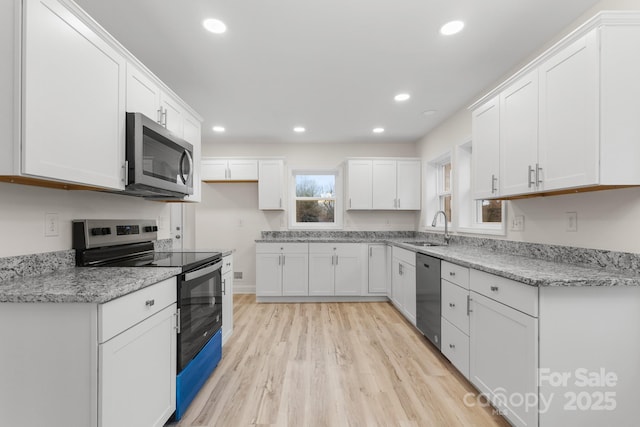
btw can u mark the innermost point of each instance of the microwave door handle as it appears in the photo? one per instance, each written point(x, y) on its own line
point(186, 154)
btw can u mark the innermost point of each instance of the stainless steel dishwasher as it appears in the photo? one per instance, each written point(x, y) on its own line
point(428, 309)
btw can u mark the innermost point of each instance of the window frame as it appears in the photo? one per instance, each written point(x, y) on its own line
point(338, 196)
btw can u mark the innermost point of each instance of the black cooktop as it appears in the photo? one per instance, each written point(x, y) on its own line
point(185, 260)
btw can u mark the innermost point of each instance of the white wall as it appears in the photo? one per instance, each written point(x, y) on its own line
point(23, 208)
point(228, 216)
point(606, 219)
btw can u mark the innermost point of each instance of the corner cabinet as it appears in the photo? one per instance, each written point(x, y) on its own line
point(91, 361)
point(568, 121)
point(73, 100)
point(383, 184)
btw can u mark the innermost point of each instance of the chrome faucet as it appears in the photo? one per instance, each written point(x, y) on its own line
point(447, 236)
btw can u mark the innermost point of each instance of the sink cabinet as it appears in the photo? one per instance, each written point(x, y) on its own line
point(282, 269)
point(337, 269)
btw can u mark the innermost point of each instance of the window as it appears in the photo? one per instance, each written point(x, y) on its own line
point(475, 216)
point(444, 187)
point(315, 199)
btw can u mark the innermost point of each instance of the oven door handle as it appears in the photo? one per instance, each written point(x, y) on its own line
point(202, 272)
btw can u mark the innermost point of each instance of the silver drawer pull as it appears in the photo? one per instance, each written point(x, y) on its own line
point(452, 346)
point(451, 305)
point(494, 288)
point(452, 273)
point(150, 302)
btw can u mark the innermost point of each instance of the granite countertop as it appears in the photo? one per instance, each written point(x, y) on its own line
point(528, 270)
point(83, 284)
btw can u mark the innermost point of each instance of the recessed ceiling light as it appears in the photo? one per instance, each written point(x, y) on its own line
point(299, 129)
point(429, 112)
point(451, 28)
point(219, 129)
point(378, 130)
point(216, 26)
point(402, 97)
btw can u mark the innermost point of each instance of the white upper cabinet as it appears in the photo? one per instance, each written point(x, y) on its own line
point(569, 120)
point(519, 135)
point(271, 184)
point(143, 94)
point(359, 183)
point(486, 149)
point(217, 169)
point(172, 115)
point(383, 184)
point(569, 115)
point(73, 98)
point(385, 179)
point(193, 135)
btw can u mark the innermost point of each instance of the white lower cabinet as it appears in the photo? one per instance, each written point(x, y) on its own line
point(227, 297)
point(93, 365)
point(455, 346)
point(378, 269)
point(282, 269)
point(455, 315)
point(403, 282)
point(337, 269)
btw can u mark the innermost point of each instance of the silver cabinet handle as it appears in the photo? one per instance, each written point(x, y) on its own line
point(494, 181)
point(468, 305)
point(395, 203)
point(164, 114)
point(279, 259)
point(452, 305)
point(398, 203)
point(349, 202)
point(280, 201)
point(159, 116)
point(150, 302)
point(452, 273)
point(370, 251)
point(224, 286)
point(538, 175)
point(494, 288)
point(400, 269)
point(178, 323)
point(284, 258)
point(452, 346)
point(530, 181)
point(229, 170)
point(337, 259)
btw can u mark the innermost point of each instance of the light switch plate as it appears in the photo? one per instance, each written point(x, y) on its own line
point(51, 224)
point(517, 223)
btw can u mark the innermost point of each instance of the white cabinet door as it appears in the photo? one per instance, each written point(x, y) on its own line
point(504, 356)
point(409, 292)
point(213, 169)
point(227, 297)
point(396, 283)
point(455, 346)
point(359, 184)
point(243, 170)
point(350, 269)
point(519, 135)
point(143, 94)
point(321, 272)
point(172, 114)
point(73, 100)
point(384, 184)
point(193, 135)
point(295, 274)
point(268, 274)
point(570, 116)
point(139, 365)
point(486, 149)
point(409, 185)
point(454, 305)
point(378, 269)
point(270, 185)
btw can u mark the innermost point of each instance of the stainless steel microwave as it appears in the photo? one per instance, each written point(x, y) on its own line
point(159, 164)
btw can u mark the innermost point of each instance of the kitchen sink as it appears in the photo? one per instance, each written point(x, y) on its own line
point(423, 243)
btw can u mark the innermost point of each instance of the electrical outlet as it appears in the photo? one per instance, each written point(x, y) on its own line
point(571, 221)
point(50, 224)
point(517, 223)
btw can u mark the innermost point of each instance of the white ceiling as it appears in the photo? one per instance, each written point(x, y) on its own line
point(332, 66)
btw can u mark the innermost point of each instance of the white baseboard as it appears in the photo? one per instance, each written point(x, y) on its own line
point(244, 288)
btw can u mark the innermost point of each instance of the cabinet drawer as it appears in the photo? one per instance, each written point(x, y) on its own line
point(455, 274)
point(227, 264)
point(509, 292)
point(124, 312)
point(275, 248)
point(455, 347)
point(455, 305)
point(404, 255)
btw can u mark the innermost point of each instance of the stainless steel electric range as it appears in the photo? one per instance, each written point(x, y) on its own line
point(129, 243)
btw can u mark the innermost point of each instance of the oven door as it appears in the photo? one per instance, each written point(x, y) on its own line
point(200, 310)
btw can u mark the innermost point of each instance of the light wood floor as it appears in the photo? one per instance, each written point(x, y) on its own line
point(331, 364)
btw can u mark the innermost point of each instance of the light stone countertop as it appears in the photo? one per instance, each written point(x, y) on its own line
point(528, 270)
point(82, 284)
